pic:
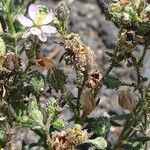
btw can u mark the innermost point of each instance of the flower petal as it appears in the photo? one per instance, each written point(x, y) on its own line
point(33, 11)
point(35, 31)
point(43, 37)
point(25, 21)
point(26, 34)
point(48, 18)
point(49, 29)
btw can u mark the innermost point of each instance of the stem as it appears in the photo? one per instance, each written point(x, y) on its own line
point(10, 19)
point(10, 23)
point(132, 122)
point(78, 104)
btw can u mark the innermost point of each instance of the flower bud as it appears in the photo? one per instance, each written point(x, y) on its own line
point(62, 12)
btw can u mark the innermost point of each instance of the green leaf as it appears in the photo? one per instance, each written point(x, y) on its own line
point(56, 78)
point(37, 83)
point(33, 105)
point(52, 106)
point(100, 143)
point(37, 117)
point(111, 82)
point(99, 125)
point(140, 139)
point(120, 117)
point(58, 123)
point(109, 54)
point(35, 114)
point(3, 137)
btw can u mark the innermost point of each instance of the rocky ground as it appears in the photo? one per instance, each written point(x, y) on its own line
point(88, 19)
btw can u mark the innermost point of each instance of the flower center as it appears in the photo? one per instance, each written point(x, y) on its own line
point(39, 18)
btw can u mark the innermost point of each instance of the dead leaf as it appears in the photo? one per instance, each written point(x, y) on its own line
point(42, 63)
point(126, 100)
point(87, 101)
point(1, 29)
point(138, 4)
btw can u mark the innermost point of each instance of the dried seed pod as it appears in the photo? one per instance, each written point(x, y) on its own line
point(11, 61)
point(126, 100)
point(87, 101)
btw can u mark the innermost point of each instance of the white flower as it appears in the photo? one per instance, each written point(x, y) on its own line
point(38, 22)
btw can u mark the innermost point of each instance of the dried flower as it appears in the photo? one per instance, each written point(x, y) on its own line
point(76, 135)
point(37, 24)
point(60, 141)
point(94, 78)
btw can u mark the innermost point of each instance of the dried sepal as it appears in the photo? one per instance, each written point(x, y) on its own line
point(125, 2)
point(87, 101)
point(41, 63)
point(126, 100)
point(11, 61)
point(94, 79)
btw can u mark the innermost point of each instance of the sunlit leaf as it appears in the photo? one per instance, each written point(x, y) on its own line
point(100, 143)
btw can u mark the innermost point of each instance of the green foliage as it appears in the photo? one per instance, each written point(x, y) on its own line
point(35, 114)
point(57, 79)
point(80, 78)
point(100, 125)
point(100, 143)
point(111, 82)
point(58, 123)
point(37, 83)
point(27, 98)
